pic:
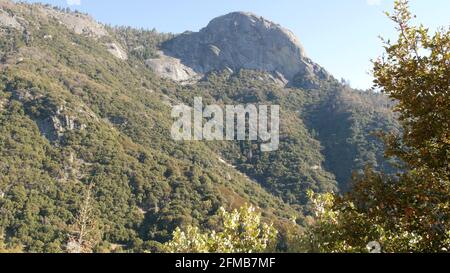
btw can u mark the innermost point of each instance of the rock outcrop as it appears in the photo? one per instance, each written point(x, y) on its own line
point(77, 22)
point(171, 68)
point(56, 125)
point(245, 41)
point(9, 20)
point(117, 51)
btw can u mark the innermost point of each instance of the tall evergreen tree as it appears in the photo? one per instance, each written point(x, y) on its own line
point(408, 212)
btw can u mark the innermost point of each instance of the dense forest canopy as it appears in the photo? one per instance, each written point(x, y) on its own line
point(87, 163)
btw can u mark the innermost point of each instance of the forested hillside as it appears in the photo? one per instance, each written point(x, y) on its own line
point(80, 111)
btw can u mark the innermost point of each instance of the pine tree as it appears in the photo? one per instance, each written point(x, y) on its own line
point(408, 212)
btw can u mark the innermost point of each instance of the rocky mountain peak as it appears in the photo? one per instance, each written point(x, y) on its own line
point(242, 40)
point(249, 23)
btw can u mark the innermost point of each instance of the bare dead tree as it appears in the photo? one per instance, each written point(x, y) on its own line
point(84, 235)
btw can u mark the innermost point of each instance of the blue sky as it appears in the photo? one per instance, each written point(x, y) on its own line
point(341, 35)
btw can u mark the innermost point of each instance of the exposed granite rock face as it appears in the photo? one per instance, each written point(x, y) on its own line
point(244, 40)
point(55, 121)
point(8, 20)
point(77, 22)
point(117, 51)
point(171, 68)
point(54, 126)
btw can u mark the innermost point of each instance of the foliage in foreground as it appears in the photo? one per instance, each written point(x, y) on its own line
point(243, 232)
point(409, 212)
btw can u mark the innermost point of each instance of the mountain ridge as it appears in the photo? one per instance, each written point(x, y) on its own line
point(242, 40)
point(74, 116)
